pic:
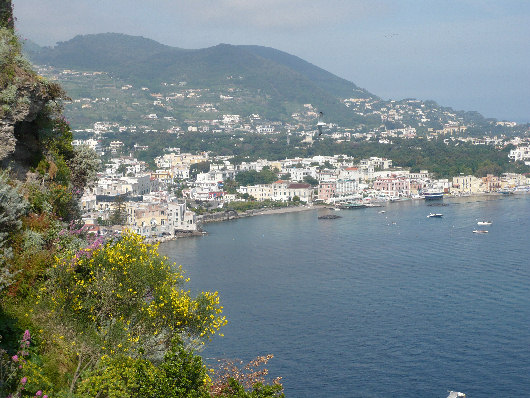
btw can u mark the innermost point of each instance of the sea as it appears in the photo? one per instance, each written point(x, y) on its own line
point(382, 302)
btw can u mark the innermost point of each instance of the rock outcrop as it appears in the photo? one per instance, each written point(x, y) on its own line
point(23, 101)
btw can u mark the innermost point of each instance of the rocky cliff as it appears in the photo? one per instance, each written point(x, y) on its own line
point(27, 102)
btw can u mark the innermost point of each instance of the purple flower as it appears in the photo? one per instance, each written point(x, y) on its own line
point(38, 393)
point(24, 380)
point(15, 358)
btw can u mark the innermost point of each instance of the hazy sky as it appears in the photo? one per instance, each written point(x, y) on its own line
point(467, 54)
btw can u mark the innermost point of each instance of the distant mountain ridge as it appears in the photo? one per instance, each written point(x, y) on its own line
point(276, 74)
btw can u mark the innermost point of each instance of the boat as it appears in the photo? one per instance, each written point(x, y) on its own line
point(382, 211)
point(351, 206)
point(435, 215)
point(484, 223)
point(456, 394)
point(329, 217)
point(480, 231)
point(433, 194)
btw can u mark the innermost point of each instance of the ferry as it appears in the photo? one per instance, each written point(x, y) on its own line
point(433, 195)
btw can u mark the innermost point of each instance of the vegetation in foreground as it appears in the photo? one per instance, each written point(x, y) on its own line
point(81, 316)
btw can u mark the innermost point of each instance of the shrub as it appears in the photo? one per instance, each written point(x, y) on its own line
point(122, 297)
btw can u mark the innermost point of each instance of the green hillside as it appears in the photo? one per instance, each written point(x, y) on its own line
point(282, 79)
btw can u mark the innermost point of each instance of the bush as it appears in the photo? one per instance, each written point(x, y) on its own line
point(12, 207)
point(122, 298)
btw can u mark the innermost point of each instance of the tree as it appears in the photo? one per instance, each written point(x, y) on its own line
point(119, 215)
point(311, 180)
point(84, 168)
point(201, 167)
point(181, 374)
point(122, 169)
point(230, 185)
point(252, 177)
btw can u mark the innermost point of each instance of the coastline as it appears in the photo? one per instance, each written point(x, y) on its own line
point(234, 215)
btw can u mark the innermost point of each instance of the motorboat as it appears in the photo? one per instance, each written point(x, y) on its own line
point(480, 231)
point(484, 223)
point(456, 394)
point(435, 215)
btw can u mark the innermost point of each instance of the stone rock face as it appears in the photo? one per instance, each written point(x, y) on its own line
point(19, 141)
point(23, 97)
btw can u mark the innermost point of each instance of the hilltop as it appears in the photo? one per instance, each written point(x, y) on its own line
point(281, 78)
point(138, 82)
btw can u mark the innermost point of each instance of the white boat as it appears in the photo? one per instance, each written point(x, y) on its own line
point(435, 215)
point(480, 231)
point(456, 394)
point(484, 223)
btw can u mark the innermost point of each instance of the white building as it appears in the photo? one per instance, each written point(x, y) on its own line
point(521, 153)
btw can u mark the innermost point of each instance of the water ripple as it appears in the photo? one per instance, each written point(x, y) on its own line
point(375, 305)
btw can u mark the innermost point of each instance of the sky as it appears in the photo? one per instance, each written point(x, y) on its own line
point(471, 55)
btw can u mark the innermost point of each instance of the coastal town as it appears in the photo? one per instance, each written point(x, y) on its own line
point(164, 192)
point(170, 201)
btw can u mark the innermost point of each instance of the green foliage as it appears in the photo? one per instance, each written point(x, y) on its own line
point(122, 298)
point(234, 389)
point(201, 167)
point(252, 205)
point(230, 186)
point(180, 375)
point(12, 207)
point(119, 214)
point(15, 73)
point(104, 313)
point(6, 14)
point(117, 377)
point(252, 177)
point(274, 82)
point(56, 135)
point(311, 180)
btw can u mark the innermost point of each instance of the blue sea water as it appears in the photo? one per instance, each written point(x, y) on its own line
point(374, 304)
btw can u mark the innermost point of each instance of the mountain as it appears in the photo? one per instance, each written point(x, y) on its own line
point(276, 75)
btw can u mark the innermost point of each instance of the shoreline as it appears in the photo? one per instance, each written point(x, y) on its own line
point(234, 215)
